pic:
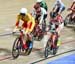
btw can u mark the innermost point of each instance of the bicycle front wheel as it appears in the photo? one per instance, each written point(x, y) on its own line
point(15, 48)
point(55, 48)
point(47, 49)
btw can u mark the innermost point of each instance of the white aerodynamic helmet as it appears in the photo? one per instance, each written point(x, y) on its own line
point(23, 10)
point(39, 1)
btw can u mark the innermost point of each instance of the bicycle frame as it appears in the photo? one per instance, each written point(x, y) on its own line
point(54, 37)
point(51, 46)
point(21, 36)
point(22, 44)
point(37, 30)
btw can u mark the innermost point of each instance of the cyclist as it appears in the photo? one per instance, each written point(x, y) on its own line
point(39, 12)
point(42, 4)
point(56, 23)
point(28, 22)
point(72, 8)
point(59, 7)
point(73, 5)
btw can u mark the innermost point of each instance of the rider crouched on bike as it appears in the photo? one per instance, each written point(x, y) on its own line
point(56, 25)
point(39, 14)
point(72, 9)
point(59, 7)
point(43, 4)
point(28, 23)
point(56, 21)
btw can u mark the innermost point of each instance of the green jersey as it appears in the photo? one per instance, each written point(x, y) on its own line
point(44, 5)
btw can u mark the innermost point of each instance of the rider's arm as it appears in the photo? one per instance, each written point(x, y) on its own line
point(41, 19)
point(72, 5)
point(61, 7)
point(54, 6)
point(17, 22)
point(30, 24)
point(33, 13)
point(43, 12)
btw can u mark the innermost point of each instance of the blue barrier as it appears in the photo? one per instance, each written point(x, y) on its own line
point(64, 60)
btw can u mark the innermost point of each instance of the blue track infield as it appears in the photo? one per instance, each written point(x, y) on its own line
point(64, 60)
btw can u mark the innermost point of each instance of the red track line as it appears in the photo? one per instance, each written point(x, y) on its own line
point(1, 59)
point(35, 49)
point(68, 42)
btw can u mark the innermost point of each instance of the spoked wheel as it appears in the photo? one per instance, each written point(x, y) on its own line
point(67, 20)
point(16, 49)
point(47, 49)
point(29, 49)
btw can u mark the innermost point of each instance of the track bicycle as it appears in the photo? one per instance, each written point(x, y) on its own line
point(20, 45)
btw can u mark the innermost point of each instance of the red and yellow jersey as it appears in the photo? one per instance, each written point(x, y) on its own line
point(28, 22)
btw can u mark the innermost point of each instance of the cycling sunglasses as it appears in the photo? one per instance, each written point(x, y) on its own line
point(22, 14)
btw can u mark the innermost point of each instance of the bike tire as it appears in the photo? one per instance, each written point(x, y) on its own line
point(67, 20)
point(46, 49)
point(55, 49)
point(15, 48)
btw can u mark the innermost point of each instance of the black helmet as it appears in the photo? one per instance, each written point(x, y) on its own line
point(53, 14)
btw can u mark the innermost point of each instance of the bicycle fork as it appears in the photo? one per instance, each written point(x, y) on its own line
point(24, 43)
point(54, 40)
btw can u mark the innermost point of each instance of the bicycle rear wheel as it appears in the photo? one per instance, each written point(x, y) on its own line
point(67, 20)
point(47, 49)
point(15, 48)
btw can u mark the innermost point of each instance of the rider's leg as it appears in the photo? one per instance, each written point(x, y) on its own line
point(51, 41)
point(57, 10)
point(73, 16)
point(24, 38)
point(29, 40)
point(24, 43)
point(62, 9)
point(45, 16)
point(58, 31)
